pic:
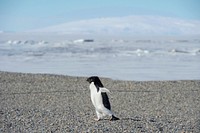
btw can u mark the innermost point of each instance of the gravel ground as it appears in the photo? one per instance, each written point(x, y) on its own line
point(52, 103)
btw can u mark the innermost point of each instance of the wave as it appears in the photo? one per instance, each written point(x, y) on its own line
point(26, 42)
point(88, 47)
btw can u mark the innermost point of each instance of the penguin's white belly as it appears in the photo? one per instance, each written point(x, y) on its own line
point(96, 98)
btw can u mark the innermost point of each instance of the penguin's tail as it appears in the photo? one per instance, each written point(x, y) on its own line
point(114, 118)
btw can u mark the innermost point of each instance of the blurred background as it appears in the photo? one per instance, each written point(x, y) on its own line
point(129, 40)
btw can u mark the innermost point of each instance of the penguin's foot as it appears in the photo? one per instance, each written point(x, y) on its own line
point(113, 118)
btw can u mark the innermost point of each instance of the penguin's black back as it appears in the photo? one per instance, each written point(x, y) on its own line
point(105, 99)
point(97, 82)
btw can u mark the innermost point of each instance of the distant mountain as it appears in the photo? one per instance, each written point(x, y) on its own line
point(129, 25)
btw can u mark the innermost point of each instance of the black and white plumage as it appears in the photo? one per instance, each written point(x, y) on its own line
point(100, 98)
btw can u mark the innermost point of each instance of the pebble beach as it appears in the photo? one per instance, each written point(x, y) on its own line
point(31, 103)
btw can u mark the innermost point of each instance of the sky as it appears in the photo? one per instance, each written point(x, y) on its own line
point(24, 15)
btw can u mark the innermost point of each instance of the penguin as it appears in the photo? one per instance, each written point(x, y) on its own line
point(100, 99)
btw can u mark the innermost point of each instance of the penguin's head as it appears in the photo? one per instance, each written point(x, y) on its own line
point(92, 79)
point(96, 80)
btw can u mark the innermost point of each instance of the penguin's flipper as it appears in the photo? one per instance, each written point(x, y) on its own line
point(102, 89)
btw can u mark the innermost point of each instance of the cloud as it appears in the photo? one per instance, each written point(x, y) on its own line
point(129, 25)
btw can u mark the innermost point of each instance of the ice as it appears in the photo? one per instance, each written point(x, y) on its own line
point(158, 58)
point(83, 40)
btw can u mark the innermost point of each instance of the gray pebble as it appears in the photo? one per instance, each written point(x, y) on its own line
point(53, 103)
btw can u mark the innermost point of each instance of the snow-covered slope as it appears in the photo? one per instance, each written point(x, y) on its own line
point(129, 25)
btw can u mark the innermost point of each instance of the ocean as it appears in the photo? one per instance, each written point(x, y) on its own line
point(123, 58)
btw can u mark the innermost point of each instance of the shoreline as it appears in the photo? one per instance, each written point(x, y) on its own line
point(59, 103)
point(102, 77)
